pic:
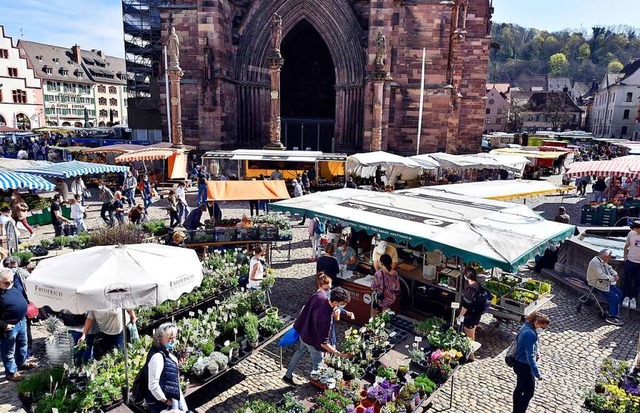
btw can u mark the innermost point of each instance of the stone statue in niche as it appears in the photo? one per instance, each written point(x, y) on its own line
point(381, 50)
point(276, 32)
point(207, 101)
point(208, 63)
point(174, 49)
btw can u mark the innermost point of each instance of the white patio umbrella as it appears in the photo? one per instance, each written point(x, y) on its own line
point(114, 276)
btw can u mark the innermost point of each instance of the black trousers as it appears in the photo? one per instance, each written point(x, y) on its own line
point(106, 213)
point(253, 205)
point(57, 230)
point(175, 219)
point(525, 387)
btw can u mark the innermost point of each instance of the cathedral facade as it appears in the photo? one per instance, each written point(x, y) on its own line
point(333, 56)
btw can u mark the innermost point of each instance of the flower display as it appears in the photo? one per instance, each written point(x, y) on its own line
point(383, 392)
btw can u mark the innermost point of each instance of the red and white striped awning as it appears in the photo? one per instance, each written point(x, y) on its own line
point(150, 154)
point(626, 166)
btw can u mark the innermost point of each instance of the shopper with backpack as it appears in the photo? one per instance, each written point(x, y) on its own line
point(474, 303)
point(316, 229)
point(158, 383)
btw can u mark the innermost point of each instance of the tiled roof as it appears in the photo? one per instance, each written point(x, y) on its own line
point(94, 68)
point(500, 87)
point(103, 69)
point(59, 59)
point(630, 69)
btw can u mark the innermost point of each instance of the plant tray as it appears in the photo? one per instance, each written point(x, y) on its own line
point(516, 306)
point(538, 289)
point(495, 300)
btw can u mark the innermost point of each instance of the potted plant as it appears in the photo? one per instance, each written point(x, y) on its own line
point(250, 325)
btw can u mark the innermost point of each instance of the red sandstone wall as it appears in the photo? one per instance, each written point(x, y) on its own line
point(409, 26)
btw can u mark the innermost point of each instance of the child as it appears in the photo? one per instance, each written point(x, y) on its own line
point(77, 213)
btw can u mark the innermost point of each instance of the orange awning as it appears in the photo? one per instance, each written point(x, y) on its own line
point(246, 190)
point(149, 154)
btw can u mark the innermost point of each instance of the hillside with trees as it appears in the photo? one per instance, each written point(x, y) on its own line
point(578, 54)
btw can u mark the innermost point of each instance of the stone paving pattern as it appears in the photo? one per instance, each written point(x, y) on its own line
point(572, 349)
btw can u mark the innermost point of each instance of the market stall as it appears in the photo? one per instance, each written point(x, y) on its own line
point(175, 158)
point(329, 168)
point(15, 164)
point(471, 162)
point(66, 170)
point(612, 212)
point(434, 234)
point(395, 167)
point(16, 180)
point(542, 161)
point(504, 190)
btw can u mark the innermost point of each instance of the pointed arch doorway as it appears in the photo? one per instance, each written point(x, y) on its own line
point(308, 95)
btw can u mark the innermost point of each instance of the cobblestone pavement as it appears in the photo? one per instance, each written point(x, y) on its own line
point(572, 349)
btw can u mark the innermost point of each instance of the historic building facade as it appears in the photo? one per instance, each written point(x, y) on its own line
point(334, 52)
point(21, 104)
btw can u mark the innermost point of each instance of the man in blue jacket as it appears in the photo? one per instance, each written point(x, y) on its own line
point(13, 327)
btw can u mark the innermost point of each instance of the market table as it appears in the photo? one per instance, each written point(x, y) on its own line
point(361, 296)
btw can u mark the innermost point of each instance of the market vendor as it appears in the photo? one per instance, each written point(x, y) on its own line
point(110, 324)
point(346, 255)
point(381, 249)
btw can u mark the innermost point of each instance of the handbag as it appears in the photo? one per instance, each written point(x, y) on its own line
point(32, 311)
point(289, 338)
point(132, 333)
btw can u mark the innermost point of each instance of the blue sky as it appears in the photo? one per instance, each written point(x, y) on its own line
point(92, 24)
point(554, 15)
point(97, 24)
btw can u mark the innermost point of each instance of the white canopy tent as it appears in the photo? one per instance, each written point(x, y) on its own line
point(365, 165)
point(15, 164)
point(474, 161)
point(502, 190)
point(494, 233)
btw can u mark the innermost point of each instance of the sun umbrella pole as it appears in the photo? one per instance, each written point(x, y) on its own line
point(126, 355)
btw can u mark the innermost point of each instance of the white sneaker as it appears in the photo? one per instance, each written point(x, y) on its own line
point(625, 302)
point(632, 304)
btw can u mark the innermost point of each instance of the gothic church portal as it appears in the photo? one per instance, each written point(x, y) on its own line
point(329, 48)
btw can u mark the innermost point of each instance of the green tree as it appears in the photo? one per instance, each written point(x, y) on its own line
point(558, 65)
point(584, 53)
point(615, 66)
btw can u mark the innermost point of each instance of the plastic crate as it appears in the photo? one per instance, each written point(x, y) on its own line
point(589, 217)
point(516, 306)
point(496, 299)
point(538, 287)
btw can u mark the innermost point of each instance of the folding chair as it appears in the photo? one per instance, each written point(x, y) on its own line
point(590, 295)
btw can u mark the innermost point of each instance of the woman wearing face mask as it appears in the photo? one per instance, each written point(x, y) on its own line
point(256, 269)
point(346, 256)
point(163, 374)
point(526, 355)
point(324, 284)
point(472, 306)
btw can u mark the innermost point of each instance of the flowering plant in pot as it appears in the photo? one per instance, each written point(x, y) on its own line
point(382, 392)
